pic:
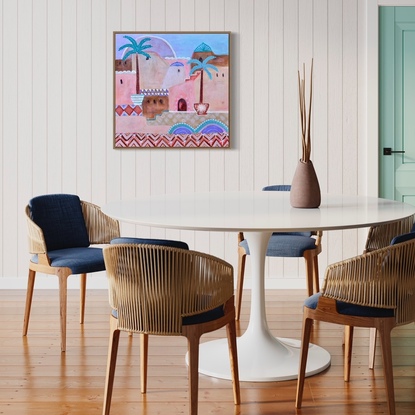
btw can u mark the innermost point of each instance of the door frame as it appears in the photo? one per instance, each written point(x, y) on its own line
point(372, 88)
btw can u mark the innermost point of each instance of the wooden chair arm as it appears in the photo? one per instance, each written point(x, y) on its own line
point(101, 228)
point(37, 243)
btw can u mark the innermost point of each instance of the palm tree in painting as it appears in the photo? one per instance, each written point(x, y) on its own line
point(202, 66)
point(136, 49)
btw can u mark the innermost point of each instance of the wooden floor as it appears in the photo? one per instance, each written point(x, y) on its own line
point(36, 379)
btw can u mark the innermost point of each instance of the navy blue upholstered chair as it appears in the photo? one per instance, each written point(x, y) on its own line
point(285, 245)
point(373, 290)
point(163, 288)
point(61, 229)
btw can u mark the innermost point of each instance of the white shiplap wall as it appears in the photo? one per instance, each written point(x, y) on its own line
point(56, 117)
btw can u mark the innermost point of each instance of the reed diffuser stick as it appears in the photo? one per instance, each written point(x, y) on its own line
point(304, 117)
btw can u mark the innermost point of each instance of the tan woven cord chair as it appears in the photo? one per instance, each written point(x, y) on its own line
point(61, 229)
point(173, 292)
point(373, 290)
point(380, 236)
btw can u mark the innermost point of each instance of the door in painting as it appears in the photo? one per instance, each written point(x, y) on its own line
point(397, 103)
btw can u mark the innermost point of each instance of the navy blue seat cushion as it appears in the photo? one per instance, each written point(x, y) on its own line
point(351, 309)
point(150, 241)
point(79, 260)
point(61, 220)
point(286, 245)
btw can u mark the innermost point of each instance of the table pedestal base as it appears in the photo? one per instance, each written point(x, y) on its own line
point(274, 360)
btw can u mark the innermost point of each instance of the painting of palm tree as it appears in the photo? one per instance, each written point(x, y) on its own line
point(202, 66)
point(136, 49)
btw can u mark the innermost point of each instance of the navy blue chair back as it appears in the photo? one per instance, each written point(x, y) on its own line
point(61, 220)
point(149, 241)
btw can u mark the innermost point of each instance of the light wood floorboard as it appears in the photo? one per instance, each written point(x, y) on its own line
point(36, 379)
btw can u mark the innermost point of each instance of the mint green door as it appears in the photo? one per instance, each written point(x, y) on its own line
point(397, 103)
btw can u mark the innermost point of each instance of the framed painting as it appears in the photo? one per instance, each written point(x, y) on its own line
point(171, 89)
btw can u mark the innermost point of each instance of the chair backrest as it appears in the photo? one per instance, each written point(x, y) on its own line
point(380, 236)
point(382, 278)
point(61, 220)
point(405, 311)
point(277, 187)
point(153, 287)
point(150, 241)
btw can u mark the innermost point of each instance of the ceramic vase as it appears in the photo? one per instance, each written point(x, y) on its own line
point(305, 189)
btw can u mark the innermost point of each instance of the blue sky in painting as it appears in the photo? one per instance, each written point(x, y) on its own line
point(183, 43)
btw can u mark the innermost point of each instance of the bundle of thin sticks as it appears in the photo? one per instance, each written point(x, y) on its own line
point(305, 118)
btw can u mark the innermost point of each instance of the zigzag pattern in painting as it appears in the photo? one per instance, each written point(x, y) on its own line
point(127, 110)
point(145, 140)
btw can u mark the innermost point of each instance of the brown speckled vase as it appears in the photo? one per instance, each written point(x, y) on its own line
point(305, 190)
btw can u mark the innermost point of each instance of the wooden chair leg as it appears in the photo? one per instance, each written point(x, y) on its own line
point(309, 272)
point(240, 283)
point(111, 364)
point(29, 296)
point(193, 338)
point(316, 275)
point(372, 347)
point(305, 342)
point(385, 339)
point(233, 357)
point(82, 291)
point(143, 361)
point(348, 345)
point(63, 291)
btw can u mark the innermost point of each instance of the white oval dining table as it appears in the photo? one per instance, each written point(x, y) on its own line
point(261, 355)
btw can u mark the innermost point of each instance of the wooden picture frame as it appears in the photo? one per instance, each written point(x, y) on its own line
point(171, 89)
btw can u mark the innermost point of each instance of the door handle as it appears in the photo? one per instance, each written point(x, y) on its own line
point(387, 151)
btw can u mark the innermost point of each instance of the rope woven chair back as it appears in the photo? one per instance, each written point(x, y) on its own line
point(389, 280)
point(380, 236)
point(153, 287)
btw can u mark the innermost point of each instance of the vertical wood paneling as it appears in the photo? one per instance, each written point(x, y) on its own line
point(56, 109)
point(25, 122)
point(53, 71)
point(69, 98)
point(261, 92)
point(246, 88)
point(9, 132)
point(39, 79)
point(83, 98)
point(113, 160)
point(99, 110)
